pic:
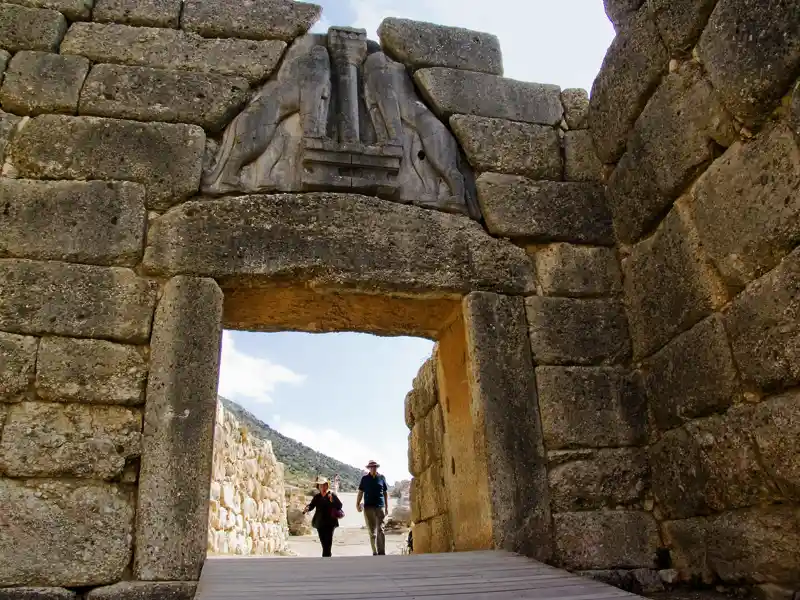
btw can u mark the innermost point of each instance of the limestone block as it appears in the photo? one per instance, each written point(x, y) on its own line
point(580, 159)
point(144, 13)
point(23, 28)
point(65, 533)
point(145, 590)
point(171, 49)
point(680, 22)
point(577, 271)
point(508, 147)
point(166, 158)
point(619, 12)
point(90, 371)
point(94, 222)
point(631, 69)
point(17, 364)
point(503, 399)
point(673, 140)
point(577, 331)
point(441, 536)
point(425, 388)
point(69, 440)
point(576, 108)
point(775, 429)
point(669, 284)
point(751, 78)
point(38, 82)
point(544, 211)
point(37, 593)
point(5, 56)
point(422, 537)
point(172, 510)
point(607, 478)
point(75, 300)
point(692, 376)
point(8, 127)
point(425, 441)
point(146, 94)
point(708, 465)
point(74, 10)
point(452, 91)
point(590, 407)
point(754, 545)
point(408, 413)
point(257, 20)
point(418, 45)
point(747, 205)
point(606, 539)
point(762, 326)
point(430, 491)
point(335, 240)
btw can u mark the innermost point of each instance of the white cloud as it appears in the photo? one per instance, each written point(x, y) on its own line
point(251, 377)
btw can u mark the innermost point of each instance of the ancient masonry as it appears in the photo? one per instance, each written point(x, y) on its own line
point(247, 509)
point(613, 284)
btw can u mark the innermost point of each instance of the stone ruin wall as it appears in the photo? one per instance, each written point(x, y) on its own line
point(247, 507)
point(635, 269)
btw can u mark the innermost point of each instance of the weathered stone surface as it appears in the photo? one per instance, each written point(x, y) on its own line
point(632, 68)
point(692, 376)
point(762, 325)
point(166, 157)
point(93, 222)
point(145, 590)
point(619, 12)
point(43, 439)
point(430, 490)
point(669, 284)
point(504, 396)
point(507, 147)
point(145, 94)
point(144, 13)
point(170, 49)
point(177, 447)
point(5, 56)
point(256, 20)
point(774, 426)
point(74, 10)
point(417, 45)
point(37, 593)
point(23, 28)
point(580, 159)
point(425, 442)
point(747, 205)
point(606, 539)
point(544, 211)
point(331, 240)
point(92, 371)
point(425, 388)
point(572, 331)
point(708, 465)
point(756, 545)
point(451, 91)
point(39, 82)
point(576, 108)
point(577, 271)
point(608, 478)
point(8, 128)
point(751, 54)
point(681, 22)
point(673, 140)
point(75, 300)
point(17, 365)
point(591, 407)
point(64, 533)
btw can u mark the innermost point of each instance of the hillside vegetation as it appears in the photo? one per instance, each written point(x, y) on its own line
point(302, 464)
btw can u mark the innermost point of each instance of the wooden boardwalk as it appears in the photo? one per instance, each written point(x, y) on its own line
point(453, 576)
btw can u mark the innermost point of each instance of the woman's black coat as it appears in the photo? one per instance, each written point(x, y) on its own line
point(322, 507)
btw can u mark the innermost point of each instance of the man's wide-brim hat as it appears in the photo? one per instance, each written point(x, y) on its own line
point(372, 463)
point(321, 480)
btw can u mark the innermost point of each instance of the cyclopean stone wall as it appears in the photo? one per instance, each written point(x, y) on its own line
point(247, 508)
point(612, 283)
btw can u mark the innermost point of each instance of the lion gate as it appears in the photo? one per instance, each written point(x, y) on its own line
point(613, 284)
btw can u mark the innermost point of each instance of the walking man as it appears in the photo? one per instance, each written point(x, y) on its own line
point(375, 492)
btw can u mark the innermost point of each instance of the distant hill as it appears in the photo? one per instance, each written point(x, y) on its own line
point(301, 463)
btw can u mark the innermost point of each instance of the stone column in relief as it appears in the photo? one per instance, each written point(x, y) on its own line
point(503, 390)
point(348, 49)
point(177, 447)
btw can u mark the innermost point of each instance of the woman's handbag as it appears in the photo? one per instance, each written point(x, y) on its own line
point(337, 513)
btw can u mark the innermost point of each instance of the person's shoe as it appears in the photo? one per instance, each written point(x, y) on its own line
point(374, 554)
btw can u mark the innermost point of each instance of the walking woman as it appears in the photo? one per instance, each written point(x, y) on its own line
point(327, 511)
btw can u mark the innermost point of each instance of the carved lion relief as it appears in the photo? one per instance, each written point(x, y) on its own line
point(340, 115)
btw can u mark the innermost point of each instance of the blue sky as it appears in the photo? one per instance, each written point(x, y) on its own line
point(343, 393)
